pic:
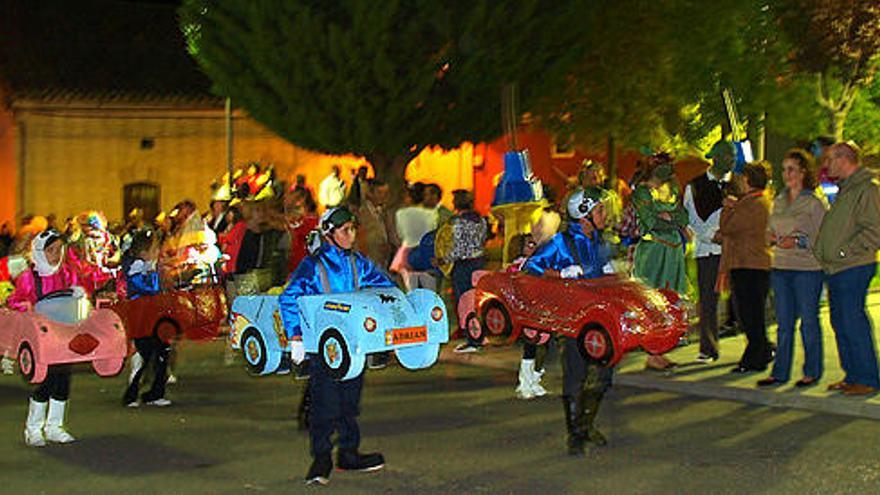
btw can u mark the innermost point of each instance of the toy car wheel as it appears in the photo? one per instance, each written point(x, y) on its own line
point(596, 345)
point(473, 326)
point(166, 330)
point(253, 349)
point(26, 363)
point(496, 321)
point(334, 354)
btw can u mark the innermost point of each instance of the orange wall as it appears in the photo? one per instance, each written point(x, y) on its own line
point(8, 168)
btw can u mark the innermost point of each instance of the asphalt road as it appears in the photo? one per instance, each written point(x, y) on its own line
point(451, 429)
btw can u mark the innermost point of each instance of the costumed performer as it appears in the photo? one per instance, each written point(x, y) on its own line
point(333, 267)
point(51, 272)
point(531, 367)
point(578, 252)
point(142, 279)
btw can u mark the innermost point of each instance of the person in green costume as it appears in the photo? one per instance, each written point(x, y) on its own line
point(659, 256)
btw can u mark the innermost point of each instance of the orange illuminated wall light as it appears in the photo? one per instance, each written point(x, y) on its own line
point(8, 167)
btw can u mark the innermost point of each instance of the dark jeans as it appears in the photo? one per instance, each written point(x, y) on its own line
point(847, 291)
point(462, 271)
point(749, 289)
point(796, 294)
point(579, 374)
point(155, 353)
point(335, 406)
point(55, 386)
point(707, 274)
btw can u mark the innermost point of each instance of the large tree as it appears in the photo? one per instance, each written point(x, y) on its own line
point(838, 42)
point(380, 79)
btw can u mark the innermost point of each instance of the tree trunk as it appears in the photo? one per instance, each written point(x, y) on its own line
point(393, 171)
point(612, 163)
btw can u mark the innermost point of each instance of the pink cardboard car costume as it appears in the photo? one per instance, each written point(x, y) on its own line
point(61, 328)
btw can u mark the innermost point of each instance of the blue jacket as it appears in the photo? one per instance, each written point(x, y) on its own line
point(556, 255)
point(306, 280)
point(139, 279)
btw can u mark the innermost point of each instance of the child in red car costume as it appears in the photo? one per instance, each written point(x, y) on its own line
point(578, 252)
point(51, 272)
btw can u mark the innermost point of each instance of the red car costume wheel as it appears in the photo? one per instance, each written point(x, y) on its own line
point(166, 331)
point(334, 353)
point(496, 320)
point(26, 363)
point(596, 345)
point(473, 327)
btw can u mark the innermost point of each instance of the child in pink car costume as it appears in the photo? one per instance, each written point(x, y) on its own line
point(50, 272)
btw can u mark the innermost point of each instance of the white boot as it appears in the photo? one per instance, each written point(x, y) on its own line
point(33, 428)
point(54, 430)
point(137, 362)
point(526, 373)
point(537, 389)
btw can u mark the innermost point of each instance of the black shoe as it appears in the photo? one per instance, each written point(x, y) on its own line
point(769, 382)
point(302, 370)
point(377, 361)
point(320, 470)
point(352, 460)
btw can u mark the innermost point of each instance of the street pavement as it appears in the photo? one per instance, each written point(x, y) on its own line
point(454, 428)
point(714, 380)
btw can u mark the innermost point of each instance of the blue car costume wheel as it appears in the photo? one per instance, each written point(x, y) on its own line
point(418, 357)
point(253, 349)
point(334, 354)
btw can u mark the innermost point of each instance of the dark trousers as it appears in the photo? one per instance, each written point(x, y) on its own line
point(847, 291)
point(55, 386)
point(155, 353)
point(462, 272)
point(581, 375)
point(707, 274)
point(335, 407)
point(749, 289)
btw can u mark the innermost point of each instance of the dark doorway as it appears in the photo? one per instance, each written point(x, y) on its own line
point(143, 195)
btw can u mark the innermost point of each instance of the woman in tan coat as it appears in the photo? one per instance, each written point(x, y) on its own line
point(745, 262)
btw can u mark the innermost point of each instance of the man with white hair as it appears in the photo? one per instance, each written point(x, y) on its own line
point(846, 247)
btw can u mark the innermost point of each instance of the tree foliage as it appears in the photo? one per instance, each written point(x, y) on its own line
point(379, 79)
point(838, 42)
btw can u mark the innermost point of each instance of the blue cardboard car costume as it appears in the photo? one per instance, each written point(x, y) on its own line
point(338, 306)
point(578, 252)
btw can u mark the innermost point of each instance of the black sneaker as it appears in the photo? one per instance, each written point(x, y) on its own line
point(320, 470)
point(352, 460)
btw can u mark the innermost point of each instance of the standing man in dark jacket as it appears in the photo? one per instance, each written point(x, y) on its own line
point(847, 249)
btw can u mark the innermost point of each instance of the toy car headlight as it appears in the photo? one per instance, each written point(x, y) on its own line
point(369, 324)
point(629, 322)
point(437, 313)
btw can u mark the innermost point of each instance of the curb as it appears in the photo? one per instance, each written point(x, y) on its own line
point(844, 406)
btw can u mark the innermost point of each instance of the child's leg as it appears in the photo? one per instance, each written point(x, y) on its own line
point(143, 348)
point(160, 355)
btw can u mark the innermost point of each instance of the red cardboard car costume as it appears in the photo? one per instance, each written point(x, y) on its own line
point(608, 316)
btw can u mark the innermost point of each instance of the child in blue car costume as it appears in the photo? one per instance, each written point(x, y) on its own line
point(332, 267)
point(578, 252)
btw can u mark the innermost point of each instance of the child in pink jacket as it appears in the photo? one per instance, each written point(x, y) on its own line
point(49, 273)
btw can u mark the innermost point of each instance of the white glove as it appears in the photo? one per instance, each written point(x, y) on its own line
point(78, 292)
point(571, 271)
point(608, 269)
point(297, 351)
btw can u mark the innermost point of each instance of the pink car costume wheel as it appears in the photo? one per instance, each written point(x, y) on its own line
point(334, 353)
point(595, 344)
point(26, 363)
point(496, 320)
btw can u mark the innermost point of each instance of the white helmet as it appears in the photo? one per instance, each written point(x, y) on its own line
point(582, 202)
point(38, 252)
